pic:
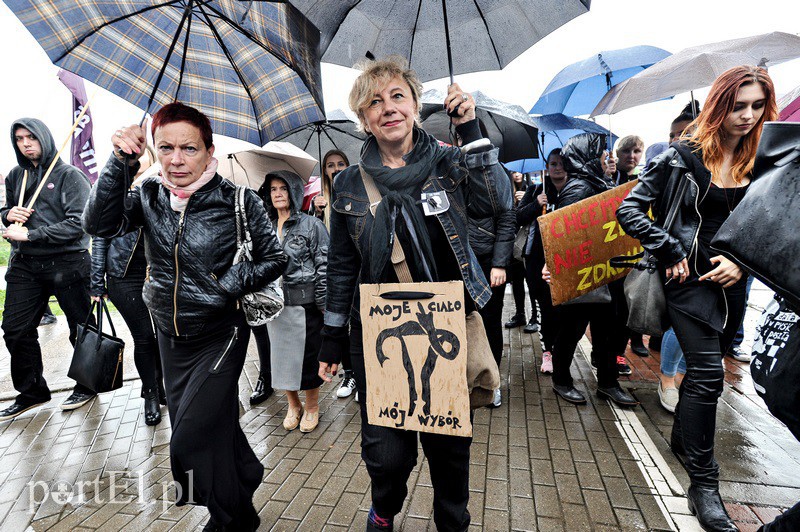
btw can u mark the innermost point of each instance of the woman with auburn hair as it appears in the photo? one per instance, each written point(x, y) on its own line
point(708, 172)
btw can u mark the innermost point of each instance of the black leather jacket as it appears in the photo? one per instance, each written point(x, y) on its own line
point(494, 237)
point(192, 280)
point(657, 187)
point(112, 257)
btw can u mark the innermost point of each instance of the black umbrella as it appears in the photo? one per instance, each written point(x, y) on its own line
point(338, 132)
point(436, 36)
point(508, 126)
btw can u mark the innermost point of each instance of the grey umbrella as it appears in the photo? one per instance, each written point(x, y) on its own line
point(337, 132)
point(698, 67)
point(436, 36)
point(508, 126)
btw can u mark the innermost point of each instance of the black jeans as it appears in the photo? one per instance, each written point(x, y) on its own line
point(126, 294)
point(30, 281)
point(573, 320)
point(492, 312)
point(541, 291)
point(516, 272)
point(391, 454)
point(788, 521)
point(696, 413)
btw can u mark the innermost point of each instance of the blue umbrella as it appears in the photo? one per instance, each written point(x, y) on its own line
point(554, 130)
point(578, 87)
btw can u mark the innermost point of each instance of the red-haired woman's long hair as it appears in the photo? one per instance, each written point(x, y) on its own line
point(708, 133)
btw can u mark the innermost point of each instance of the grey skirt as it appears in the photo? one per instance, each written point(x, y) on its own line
point(295, 340)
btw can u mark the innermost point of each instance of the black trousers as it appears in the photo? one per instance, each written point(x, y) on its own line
point(573, 320)
point(30, 281)
point(696, 413)
point(262, 344)
point(211, 460)
point(126, 294)
point(788, 521)
point(548, 329)
point(516, 272)
point(391, 454)
point(492, 313)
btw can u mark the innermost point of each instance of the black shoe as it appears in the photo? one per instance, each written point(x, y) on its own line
point(48, 319)
point(618, 395)
point(212, 526)
point(570, 394)
point(261, 392)
point(655, 343)
point(707, 505)
point(637, 346)
point(18, 408)
point(152, 410)
point(531, 327)
point(77, 400)
point(515, 321)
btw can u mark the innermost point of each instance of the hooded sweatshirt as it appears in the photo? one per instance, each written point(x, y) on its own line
point(55, 225)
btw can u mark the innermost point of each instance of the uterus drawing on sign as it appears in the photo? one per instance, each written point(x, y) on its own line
point(437, 338)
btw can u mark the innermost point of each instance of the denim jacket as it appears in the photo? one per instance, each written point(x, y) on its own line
point(476, 185)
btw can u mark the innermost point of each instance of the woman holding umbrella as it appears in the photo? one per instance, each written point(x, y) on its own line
point(192, 288)
point(401, 159)
point(707, 173)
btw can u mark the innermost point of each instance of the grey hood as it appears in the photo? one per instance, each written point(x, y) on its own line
point(296, 191)
point(42, 134)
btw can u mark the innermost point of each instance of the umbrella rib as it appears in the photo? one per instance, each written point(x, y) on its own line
point(331, 126)
point(69, 50)
point(183, 58)
point(187, 10)
point(414, 32)
point(235, 69)
point(489, 33)
point(325, 130)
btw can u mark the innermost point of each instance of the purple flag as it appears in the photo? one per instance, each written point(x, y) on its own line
point(83, 156)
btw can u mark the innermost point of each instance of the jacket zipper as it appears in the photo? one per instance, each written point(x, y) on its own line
point(133, 252)
point(177, 275)
point(485, 231)
point(227, 349)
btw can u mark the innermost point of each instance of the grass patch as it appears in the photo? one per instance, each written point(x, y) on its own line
point(5, 251)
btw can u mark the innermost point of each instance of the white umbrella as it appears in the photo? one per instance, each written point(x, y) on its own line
point(698, 67)
point(250, 167)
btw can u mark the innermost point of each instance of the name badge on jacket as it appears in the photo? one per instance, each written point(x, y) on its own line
point(434, 203)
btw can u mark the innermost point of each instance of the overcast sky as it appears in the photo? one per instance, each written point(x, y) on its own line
point(30, 86)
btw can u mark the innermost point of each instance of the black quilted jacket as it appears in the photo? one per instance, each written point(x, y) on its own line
point(192, 280)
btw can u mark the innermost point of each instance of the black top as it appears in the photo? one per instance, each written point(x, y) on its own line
point(703, 300)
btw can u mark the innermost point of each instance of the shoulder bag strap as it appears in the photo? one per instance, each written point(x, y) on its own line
point(398, 256)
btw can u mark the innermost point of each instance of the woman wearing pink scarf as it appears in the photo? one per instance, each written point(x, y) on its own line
point(192, 290)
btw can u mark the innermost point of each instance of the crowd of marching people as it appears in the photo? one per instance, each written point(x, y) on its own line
point(164, 251)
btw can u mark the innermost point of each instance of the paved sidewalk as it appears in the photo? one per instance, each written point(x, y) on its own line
point(537, 463)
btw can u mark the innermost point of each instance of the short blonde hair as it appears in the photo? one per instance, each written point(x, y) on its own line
point(374, 75)
point(631, 141)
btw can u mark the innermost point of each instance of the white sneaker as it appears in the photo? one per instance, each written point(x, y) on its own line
point(498, 398)
point(738, 354)
point(668, 398)
point(347, 387)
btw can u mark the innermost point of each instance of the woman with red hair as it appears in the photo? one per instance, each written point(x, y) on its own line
point(707, 173)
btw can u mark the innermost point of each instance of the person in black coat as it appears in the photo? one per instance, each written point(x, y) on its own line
point(192, 289)
point(582, 156)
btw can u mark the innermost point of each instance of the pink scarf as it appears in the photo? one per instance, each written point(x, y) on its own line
point(180, 195)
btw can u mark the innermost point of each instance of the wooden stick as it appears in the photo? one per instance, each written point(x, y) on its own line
point(22, 190)
point(58, 154)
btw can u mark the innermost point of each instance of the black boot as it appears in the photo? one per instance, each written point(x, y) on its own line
point(637, 345)
point(152, 412)
point(515, 321)
point(261, 392)
point(707, 505)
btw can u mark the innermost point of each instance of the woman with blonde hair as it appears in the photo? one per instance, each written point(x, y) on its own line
point(706, 174)
point(403, 160)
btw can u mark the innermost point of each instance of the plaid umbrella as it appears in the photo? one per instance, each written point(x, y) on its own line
point(338, 132)
point(436, 36)
point(254, 73)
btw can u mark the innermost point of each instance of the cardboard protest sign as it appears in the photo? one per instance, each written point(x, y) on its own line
point(579, 240)
point(415, 356)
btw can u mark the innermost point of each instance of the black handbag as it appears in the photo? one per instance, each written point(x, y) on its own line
point(761, 232)
point(97, 359)
point(644, 289)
